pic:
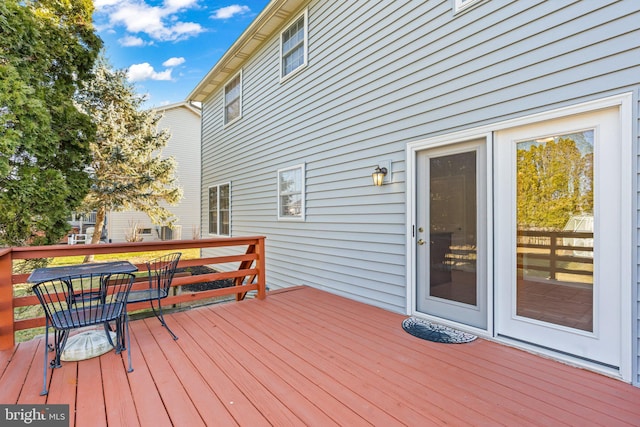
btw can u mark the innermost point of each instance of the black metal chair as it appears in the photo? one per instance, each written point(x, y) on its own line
point(75, 302)
point(161, 271)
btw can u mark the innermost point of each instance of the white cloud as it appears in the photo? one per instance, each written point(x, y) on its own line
point(159, 22)
point(230, 11)
point(144, 71)
point(173, 62)
point(129, 41)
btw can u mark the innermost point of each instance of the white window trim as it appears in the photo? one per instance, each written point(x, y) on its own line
point(224, 100)
point(303, 194)
point(460, 6)
point(305, 43)
point(209, 209)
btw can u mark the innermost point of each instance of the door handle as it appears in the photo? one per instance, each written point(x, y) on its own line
point(421, 242)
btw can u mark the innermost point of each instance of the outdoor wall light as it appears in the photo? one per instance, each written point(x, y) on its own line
point(378, 176)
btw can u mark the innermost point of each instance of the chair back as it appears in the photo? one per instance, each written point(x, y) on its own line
point(161, 272)
point(74, 302)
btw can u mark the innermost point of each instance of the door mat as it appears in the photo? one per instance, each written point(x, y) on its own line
point(433, 332)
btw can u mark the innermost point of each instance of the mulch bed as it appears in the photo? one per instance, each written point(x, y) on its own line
point(204, 286)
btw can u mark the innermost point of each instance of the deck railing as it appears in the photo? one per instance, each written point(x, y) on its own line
point(248, 276)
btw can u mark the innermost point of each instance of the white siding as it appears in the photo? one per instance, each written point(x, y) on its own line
point(184, 145)
point(379, 75)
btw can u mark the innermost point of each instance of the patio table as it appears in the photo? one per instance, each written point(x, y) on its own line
point(78, 270)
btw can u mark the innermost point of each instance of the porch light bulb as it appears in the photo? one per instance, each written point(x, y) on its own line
point(378, 176)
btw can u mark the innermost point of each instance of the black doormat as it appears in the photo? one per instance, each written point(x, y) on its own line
point(433, 332)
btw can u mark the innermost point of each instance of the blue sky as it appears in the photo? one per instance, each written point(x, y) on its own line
point(168, 46)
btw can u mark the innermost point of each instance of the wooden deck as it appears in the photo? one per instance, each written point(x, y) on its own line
point(306, 357)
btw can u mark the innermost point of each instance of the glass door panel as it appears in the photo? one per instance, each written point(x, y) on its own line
point(554, 214)
point(452, 217)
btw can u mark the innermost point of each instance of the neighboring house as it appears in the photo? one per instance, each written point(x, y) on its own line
point(183, 122)
point(497, 122)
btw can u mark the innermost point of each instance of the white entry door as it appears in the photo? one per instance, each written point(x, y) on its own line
point(558, 235)
point(451, 241)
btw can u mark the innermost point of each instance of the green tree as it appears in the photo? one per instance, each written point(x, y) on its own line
point(555, 181)
point(47, 48)
point(129, 172)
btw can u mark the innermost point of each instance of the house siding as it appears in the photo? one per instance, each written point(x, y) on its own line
point(183, 124)
point(380, 75)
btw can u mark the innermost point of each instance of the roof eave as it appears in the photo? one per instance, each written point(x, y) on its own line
point(274, 15)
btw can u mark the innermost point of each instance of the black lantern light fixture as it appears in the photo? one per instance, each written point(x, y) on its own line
point(378, 176)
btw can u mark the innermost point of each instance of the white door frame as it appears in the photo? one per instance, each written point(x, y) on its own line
point(628, 187)
point(412, 168)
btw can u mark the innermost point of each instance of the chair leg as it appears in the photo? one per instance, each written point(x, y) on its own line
point(44, 391)
point(128, 341)
point(160, 317)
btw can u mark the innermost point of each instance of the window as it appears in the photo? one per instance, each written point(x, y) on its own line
point(293, 46)
point(291, 193)
point(220, 209)
point(233, 99)
point(145, 231)
point(462, 5)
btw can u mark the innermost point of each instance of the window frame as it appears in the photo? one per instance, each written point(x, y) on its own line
point(302, 192)
point(225, 120)
point(460, 6)
point(305, 45)
point(218, 210)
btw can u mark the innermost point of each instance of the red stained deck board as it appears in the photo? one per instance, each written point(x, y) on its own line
point(144, 391)
point(264, 397)
point(306, 356)
point(199, 392)
point(238, 405)
point(90, 411)
point(350, 385)
point(415, 382)
point(118, 401)
point(296, 372)
point(178, 405)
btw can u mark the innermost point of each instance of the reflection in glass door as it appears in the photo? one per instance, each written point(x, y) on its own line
point(451, 270)
point(558, 235)
point(554, 214)
point(452, 227)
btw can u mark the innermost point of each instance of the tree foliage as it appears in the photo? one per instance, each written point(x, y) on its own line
point(555, 181)
point(129, 172)
point(47, 47)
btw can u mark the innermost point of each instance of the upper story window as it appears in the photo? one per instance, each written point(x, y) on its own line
point(220, 209)
point(233, 99)
point(462, 5)
point(293, 46)
point(291, 183)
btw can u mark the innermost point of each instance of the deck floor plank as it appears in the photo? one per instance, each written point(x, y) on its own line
point(266, 369)
point(179, 406)
point(14, 376)
point(547, 393)
point(63, 387)
point(298, 367)
point(144, 391)
point(90, 412)
point(304, 356)
point(236, 402)
point(356, 386)
point(258, 377)
point(118, 401)
point(33, 380)
point(410, 375)
point(198, 390)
